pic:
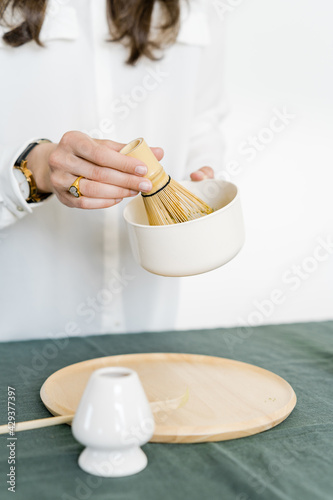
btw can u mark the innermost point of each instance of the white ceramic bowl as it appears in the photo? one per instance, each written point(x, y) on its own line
point(192, 247)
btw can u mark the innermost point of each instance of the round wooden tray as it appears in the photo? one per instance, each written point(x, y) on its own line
point(194, 398)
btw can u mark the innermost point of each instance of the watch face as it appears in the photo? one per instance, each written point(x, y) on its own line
point(22, 182)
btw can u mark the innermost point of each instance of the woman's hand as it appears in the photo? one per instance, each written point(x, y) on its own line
point(202, 173)
point(108, 176)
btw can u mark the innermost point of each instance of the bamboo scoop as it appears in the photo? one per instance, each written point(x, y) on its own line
point(37, 424)
point(156, 407)
point(168, 202)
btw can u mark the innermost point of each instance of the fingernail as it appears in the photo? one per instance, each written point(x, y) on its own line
point(145, 186)
point(133, 193)
point(118, 200)
point(141, 170)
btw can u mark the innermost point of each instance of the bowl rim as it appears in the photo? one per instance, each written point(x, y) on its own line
point(169, 226)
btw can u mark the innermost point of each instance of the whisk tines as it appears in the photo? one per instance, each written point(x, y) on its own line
point(174, 204)
point(168, 202)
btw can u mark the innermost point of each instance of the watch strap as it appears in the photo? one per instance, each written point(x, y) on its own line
point(27, 150)
point(21, 163)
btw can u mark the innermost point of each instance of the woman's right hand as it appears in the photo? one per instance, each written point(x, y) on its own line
point(108, 176)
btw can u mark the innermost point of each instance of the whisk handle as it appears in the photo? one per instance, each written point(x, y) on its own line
point(139, 149)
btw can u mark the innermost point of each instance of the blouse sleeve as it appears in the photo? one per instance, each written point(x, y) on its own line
point(12, 204)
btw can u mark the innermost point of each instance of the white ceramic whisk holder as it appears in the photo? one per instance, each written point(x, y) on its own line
point(113, 420)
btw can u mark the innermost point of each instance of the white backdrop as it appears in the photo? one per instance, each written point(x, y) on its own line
point(279, 58)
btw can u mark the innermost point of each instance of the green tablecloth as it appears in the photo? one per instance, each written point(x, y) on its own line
point(292, 461)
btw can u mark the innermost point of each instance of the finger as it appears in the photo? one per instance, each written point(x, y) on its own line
point(117, 146)
point(202, 173)
point(66, 167)
point(208, 172)
point(197, 176)
point(158, 152)
point(82, 146)
point(86, 203)
point(93, 189)
point(102, 153)
point(119, 179)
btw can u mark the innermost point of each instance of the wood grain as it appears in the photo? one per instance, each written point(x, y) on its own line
point(156, 407)
point(216, 398)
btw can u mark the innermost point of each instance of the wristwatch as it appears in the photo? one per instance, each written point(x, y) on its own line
point(24, 177)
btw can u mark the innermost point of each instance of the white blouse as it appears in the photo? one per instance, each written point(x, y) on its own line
point(65, 271)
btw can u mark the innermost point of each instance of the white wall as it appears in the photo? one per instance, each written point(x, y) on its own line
point(279, 55)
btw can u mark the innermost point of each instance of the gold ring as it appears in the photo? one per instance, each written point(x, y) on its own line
point(74, 189)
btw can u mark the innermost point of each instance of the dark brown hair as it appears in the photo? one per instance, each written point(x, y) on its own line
point(129, 22)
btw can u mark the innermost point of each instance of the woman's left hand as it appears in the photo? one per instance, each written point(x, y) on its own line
point(202, 173)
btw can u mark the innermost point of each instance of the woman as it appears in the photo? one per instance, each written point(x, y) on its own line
point(69, 271)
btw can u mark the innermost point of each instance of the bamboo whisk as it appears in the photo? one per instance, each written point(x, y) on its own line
point(168, 202)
